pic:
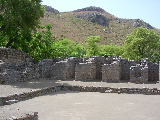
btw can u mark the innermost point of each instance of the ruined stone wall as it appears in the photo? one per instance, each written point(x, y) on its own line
point(99, 61)
point(153, 72)
point(125, 68)
point(85, 71)
point(45, 67)
point(139, 74)
point(111, 72)
point(15, 65)
point(14, 57)
point(65, 69)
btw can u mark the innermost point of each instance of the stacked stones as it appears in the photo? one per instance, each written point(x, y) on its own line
point(85, 71)
point(65, 69)
point(144, 72)
point(15, 65)
point(27, 116)
point(111, 72)
point(139, 74)
point(99, 61)
point(45, 67)
point(14, 57)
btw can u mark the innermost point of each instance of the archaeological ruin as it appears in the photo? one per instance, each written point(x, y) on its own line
point(16, 65)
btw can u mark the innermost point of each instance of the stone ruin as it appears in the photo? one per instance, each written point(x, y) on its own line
point(15, 65)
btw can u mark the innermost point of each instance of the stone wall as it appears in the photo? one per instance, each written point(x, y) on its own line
point(85, 71)
point(65, 69)
point(14, 57)
point(111, 72)
point(99, 61)
point(139, 74)
point(27, 116)
point(16, 65)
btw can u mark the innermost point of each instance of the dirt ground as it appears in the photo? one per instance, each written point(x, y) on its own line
point(20, 87)
point(67, 105)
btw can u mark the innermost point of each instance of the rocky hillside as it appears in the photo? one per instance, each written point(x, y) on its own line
point(79, 24)
point(51, 10)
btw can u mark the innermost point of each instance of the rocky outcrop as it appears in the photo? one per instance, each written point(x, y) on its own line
point(91, 8)
point(94, 17)
point(141, 23)
point(50, 9)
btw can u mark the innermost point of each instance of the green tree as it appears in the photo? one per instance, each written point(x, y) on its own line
point(18, 18)
point(111, 50)
point(92, 47)
point(142, 43)
point(40, 45)
point(67, 48)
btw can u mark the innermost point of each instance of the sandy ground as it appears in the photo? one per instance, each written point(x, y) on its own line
point(91, 106)
point(67, 105)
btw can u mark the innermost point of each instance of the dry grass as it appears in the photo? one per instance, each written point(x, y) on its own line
point(67, 25)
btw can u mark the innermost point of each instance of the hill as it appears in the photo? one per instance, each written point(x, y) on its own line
point(79, 24)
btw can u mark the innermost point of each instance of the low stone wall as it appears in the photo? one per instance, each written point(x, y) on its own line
point(34, 116)
point(27, 116)
point(145, 91)
point(26, 95)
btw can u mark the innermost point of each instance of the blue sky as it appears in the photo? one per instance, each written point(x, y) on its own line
point(146, 10)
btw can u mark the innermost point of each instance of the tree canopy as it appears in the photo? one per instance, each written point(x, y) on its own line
point(142, 43)
point(18, 18)
point(92, 47)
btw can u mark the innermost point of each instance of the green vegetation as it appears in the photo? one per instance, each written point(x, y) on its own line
point(111, 50)
point(22, 31)
point(17, 19)
point(92, 46)
point(142, 43)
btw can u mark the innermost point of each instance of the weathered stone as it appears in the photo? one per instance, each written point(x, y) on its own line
point(111, 72)
point(85, 71)
point(17, 66)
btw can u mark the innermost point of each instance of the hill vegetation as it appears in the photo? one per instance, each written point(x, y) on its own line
point(80, 24)
point(84, 32)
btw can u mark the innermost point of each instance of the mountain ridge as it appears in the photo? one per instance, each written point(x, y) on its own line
point(79, 24)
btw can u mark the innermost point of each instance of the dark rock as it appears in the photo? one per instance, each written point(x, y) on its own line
point(50, 9)
point(141, 23)
point(94, 17)
point(91, 8)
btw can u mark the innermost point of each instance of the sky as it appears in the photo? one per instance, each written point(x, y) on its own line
point(146, 10)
